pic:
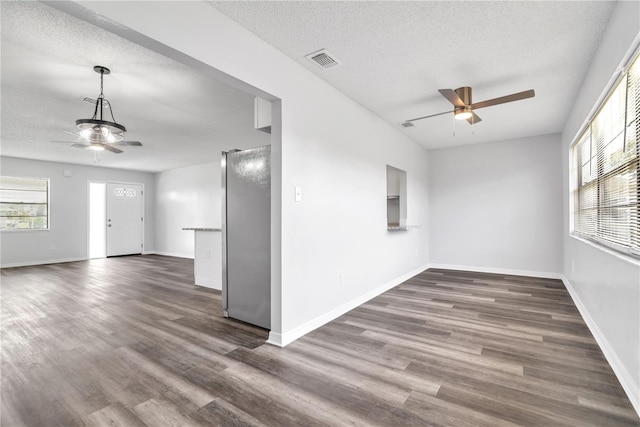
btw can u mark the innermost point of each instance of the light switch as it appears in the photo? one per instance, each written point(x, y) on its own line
point(298, 194)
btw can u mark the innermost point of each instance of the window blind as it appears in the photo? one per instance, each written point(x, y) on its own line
point(24, 203)
point(605, 169)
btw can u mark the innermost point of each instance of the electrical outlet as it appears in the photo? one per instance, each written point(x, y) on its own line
point(208, 254)
point(341, 279)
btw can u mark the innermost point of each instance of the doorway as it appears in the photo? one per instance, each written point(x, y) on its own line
point(97, 220)
point(116, 218)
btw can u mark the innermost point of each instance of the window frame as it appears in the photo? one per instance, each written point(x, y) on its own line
point(48, 207)
point(575, 169)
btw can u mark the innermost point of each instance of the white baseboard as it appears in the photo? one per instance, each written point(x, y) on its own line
point(508, 271)
point(626, 379)
point(288, 337)
point(173, 254)
point(59, 260)
point(275, 339)
point(41, 262)
point(74, 259)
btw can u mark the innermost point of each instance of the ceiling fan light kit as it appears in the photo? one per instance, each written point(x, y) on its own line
point(462, 113)
point(97, 130)
point(463, 106)
point(100, 131)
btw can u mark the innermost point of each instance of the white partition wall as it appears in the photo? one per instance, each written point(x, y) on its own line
point(332, 148)
point(186, 197)
point(208, 259)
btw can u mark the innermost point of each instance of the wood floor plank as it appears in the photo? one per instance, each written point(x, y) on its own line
point(386, 391)
point(115, 415)
point(355, 351)
point(315, 409)
point(193, 393)
point(132, 341)
point(221, 413)
point(611, 409)
point(508, 410)
point(158, 412)
point(444, 413)
point(462, 356)
point(363, 403)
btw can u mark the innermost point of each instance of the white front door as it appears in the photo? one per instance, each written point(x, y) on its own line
point(124, 219)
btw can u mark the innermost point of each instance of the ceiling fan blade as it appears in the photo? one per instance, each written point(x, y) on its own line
point(504, 99)
point(112, 149)
point(78, 137)
point(79, 145)
point(64, 142)
point(130, 143)
point(474, 118)
point(426, 117)
point(76, 134)
point(452, 97)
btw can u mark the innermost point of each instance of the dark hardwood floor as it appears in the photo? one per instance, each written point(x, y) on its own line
point(131, 342)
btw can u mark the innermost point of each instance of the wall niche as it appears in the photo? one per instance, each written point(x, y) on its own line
point(396, 198)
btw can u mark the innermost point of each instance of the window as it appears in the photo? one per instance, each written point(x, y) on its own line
point(606, 169)
point(124, 192)
point(24, 203)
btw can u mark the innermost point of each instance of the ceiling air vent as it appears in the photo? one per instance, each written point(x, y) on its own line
point(407, 124)
point(323, 59)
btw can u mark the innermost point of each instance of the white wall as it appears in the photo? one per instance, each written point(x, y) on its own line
point(186, 197)
point(334, 149)
point(497, 206)
point(67, 238)
point(605, 286)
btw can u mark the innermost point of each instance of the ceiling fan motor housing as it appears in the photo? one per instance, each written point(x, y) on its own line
point(465, 94)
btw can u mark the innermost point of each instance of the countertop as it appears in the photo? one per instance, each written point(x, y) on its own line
point(202, 229)
point(403, 227)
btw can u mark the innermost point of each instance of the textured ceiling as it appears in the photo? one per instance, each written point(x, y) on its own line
point(396, 55)
point(182, 117)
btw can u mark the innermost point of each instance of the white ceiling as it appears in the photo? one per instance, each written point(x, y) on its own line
point(180, 115)
point(396, 55)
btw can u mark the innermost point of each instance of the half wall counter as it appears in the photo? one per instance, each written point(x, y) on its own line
point(207, 264)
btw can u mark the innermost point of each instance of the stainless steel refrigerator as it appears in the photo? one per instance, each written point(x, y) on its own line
point(246, 235)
